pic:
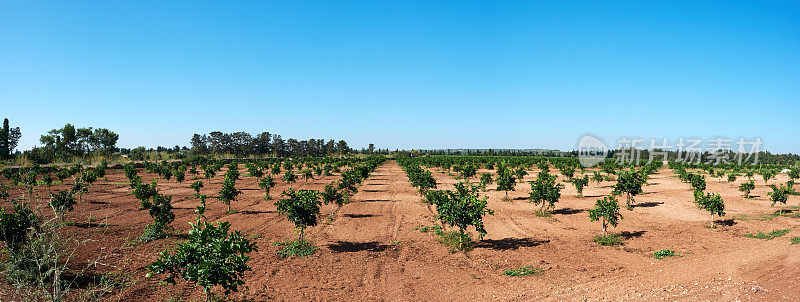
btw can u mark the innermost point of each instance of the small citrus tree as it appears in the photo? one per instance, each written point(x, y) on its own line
point(266, 184)
point(746, 188)
point(505, 182)
point(607, 210)
point(580, 183)
point(463, 207)
point(300, 207)
point(545, 191)
point(213, 256)
point(630, 183)
point(710, 202)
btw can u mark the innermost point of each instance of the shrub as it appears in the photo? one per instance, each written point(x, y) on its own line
point(779, 194)
point(161, 212)
point(15, 226)
point(289, 176)
point(296, 248)
point(332, 196)
point(62, 202)
point(213, 256)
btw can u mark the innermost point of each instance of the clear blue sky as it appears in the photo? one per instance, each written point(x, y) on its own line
point(404, 74)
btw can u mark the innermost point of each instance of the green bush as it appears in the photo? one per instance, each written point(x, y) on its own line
point(213, 256)
point(771, 235)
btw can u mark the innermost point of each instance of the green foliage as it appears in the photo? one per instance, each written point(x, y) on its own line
point(266, 184)
point(467, 171)
point(698, 182)
point(607, 240)
point(746, 188)
point(779, 194)
point(15, 226)
point(795, 240)
point(580, 183)
point(425, 229)
point(213, 256)
point(196, 186)
point(710, 202)
point(771, 235)
point(289, 176)
point(161, 212)
point(505, 181)
point(456, 240)
point(567, 170)
point(528, 270)
point(630, 183)
point(307, 174)
point(463, 207)
point(545, 191)
point(332, 195)
point(520, 173)
point(62, 202)
point(767, 174)
point(661, 254)
point(296, 248)
point(300, 207)
point(597, 177)
point(486, 179)
point(607, 210)
point(228, 192)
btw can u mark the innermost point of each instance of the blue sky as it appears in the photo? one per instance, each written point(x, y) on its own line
point(405, 74)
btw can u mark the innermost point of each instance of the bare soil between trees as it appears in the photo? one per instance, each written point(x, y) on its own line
point(371, 250)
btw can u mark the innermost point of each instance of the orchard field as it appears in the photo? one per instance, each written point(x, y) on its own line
point(386, 240)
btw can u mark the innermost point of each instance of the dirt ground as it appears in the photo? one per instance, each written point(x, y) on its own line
point(371, 250)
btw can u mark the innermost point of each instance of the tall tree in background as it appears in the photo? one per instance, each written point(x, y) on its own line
point(9, 138)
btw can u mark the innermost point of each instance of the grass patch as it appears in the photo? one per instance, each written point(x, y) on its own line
point(543, 213)
point(608, 240)
point(795, 240)
point(528, 270)
point(426, 229)
point(455, 240)
point(664, 254)
point(296, 248)
point(768, 236)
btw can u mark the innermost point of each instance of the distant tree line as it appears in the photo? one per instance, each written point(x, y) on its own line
point(243, 144)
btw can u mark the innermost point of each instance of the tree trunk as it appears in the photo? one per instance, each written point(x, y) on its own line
point(604, 227)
